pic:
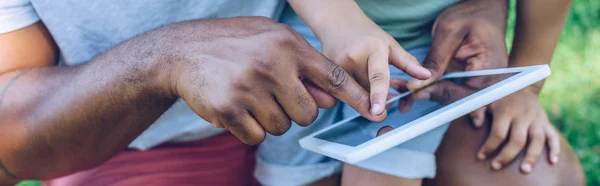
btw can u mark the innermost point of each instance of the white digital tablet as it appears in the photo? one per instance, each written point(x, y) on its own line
point(355, 139)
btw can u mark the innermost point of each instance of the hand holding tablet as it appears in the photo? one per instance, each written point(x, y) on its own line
point(353, 139)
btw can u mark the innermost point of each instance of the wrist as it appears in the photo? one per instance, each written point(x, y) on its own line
point(340, 14)
point(493, 11)
point(536, 88)
point(148, 69)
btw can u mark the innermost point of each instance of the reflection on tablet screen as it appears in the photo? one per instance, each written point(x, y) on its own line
point(361, 130)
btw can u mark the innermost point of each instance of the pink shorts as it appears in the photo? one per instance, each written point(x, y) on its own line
point(219, 160)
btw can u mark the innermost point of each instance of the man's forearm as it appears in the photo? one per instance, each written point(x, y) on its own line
point(539, 24)
point(58, 120)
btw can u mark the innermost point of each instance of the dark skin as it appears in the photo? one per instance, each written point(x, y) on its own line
point(470, 36)
point(60, 120)
point(462, 140)
point(457, 166)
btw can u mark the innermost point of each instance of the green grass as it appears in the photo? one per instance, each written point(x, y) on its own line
point(572, 94)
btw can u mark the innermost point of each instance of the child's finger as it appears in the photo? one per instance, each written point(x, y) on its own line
point(516, 143)
point(498, 133)
point(379, 80)
point(478, 117)
point(537, 141)
point(407, 63)
point(553, 143)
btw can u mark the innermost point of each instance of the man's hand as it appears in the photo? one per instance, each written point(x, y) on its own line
point(246, 75)
point(467, 36)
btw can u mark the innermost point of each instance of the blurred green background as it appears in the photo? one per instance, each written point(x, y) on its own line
point(572, 94)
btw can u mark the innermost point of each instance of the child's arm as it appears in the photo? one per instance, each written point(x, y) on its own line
point(356, 43)
point(539, 24)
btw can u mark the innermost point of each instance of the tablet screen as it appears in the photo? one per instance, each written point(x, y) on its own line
point(412, 107)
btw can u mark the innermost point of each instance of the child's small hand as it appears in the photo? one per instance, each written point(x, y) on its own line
point(365, 51)
point(520, 120)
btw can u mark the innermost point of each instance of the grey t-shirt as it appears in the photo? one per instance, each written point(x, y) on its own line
point(84, 29)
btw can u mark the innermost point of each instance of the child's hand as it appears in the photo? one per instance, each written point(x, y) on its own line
point(365, 51)
point(356, 43)
point(520, 120)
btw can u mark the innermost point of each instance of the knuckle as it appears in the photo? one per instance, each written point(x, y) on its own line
point(228, 111)
point(377, 78)
point(239, 85)
point(311, 116)
point(448, 25)
point(254, 140)
point(283, 34)
point(338, 79)
point(280, 124)
point(432, 62)
point(372, 42)
point(308, 105)
point(263, 67)
point(348, 57)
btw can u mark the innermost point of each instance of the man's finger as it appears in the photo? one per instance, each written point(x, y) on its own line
point(322, 98)
point(246, 128)
point(379, 80)
point(446, 40)
point(537, 141)
point(337, 82)
point(297, 103)
point(407, 63)
point(270, 115)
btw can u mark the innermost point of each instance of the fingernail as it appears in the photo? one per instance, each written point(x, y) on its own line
point(496, 165)
point(415, 83)
point(376, 109)
point(554, 159)
point(526, 167)
point(476, 121)
point(422, 95)
point(420, 69)
point(481, 156)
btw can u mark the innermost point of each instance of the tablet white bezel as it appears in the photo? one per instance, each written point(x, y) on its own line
point(525, 76)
